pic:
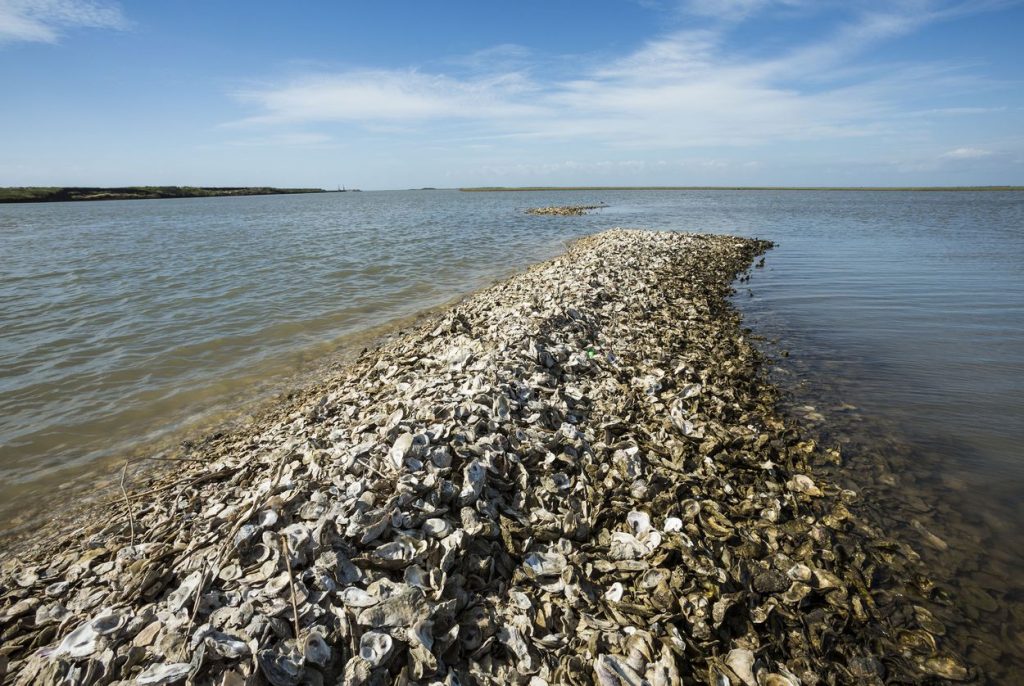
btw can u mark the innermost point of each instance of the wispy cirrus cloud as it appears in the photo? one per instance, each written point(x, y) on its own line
point(734, 10)
point(685, 89)
point(44, 21)
point(380, 95)
point(286, 139)
point(740, 10)
point(966, 154)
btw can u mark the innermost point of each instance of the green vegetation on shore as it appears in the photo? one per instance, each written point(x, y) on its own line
point(482, 189)
point(70, 193)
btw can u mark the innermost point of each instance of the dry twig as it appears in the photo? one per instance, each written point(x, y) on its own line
point(158, 458)
point(291, 582)
point(128, 502)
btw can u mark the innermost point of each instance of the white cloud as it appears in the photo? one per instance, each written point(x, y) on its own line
point(290, 139)
point(688, 89)
point(677, 55)
point(954, 111)
point(734, 10)
point(42, 21)
point(614, 171)
point(388, 95)
point(966, 154)
point(504, 57)
point(741, 10)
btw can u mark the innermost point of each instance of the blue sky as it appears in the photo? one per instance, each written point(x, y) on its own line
point(409, 93)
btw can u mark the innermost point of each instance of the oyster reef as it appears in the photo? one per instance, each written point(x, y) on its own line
point(578, 475)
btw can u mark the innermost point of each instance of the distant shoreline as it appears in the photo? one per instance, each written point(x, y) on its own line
point(87, 194)
point(519, 189)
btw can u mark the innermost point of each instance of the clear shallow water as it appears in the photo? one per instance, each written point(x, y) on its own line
point(903, 314)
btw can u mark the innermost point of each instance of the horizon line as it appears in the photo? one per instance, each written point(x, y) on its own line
point(483, 189)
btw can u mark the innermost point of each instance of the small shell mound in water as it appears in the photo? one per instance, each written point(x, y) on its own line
point(575, 476)
point(564, 210)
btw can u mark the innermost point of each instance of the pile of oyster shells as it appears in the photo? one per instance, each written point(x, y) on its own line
point(574, 476)
point(564, 210)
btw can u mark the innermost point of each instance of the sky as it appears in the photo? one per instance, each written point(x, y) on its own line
point(406, 93)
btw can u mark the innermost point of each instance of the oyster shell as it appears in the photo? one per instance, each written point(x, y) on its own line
point(161, 674)
point(375, 647)
point(315, 650)
point(82, 642)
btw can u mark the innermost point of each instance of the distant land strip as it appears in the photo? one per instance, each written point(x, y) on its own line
point(487, 189)
point(76, 194)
